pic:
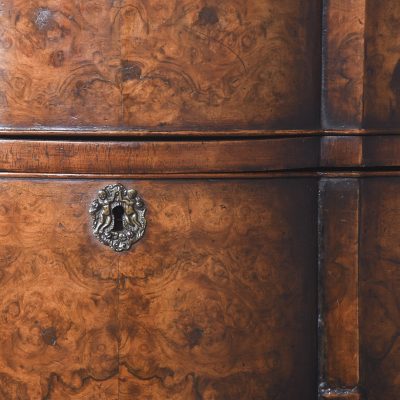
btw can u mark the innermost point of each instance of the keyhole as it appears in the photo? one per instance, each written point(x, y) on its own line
point(118, 213)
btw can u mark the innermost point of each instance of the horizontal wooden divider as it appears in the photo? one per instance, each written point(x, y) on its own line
point(165, 157)
point(160, 157)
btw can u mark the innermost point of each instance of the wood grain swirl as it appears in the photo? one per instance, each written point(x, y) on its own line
point(218, 301)
point(222, 304)
point(157, 64)
point(343, 60)
point(58, 306)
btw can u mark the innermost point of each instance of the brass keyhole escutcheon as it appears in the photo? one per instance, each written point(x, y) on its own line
point(118, 216)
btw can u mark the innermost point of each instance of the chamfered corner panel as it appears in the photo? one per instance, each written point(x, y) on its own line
point(217, 300)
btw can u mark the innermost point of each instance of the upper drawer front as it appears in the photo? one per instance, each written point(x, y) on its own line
point(160, 64)
point(216, 301)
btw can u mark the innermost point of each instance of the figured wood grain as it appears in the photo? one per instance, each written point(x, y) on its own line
point(382, 83)
point(156, 134)
point(58, 300)
point(380, 288)
point(59, 63)
point(343, 63)
point(339, 247)
point(142, 157)
point(217, 301)
point(197, 157)
point(141, 64)
point(223, 302)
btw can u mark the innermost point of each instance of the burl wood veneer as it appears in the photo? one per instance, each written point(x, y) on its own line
point(160, 64)
point(268, 268)
point(217, 302)
point(343, 63)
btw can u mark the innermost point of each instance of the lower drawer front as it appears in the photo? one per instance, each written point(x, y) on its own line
point(216, 301)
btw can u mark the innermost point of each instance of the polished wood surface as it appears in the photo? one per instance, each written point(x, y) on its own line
point(339, 211)
point(380, 287)
point(343, 63)
point(217, 301)
point(339, 151)
point(361, 65)
point(197, 157)
point(162, 157)
point(264, 137)
point(359, 236)
point(160, 64)
point(190, 66)
point(382, 83)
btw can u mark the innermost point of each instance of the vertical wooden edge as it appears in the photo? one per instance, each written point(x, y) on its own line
point(338, 288)
point(341, 151)
point(343, 63)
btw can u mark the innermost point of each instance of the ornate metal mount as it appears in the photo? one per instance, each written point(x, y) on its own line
point(118, 217)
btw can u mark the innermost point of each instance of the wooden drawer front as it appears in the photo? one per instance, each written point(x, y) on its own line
point(164, 65)
point(380, 287)
point(217, 301)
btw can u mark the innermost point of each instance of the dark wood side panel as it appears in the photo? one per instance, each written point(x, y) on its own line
point(369, 151)
point(382, 90)
point(218, 300)
point(338, 236)
point(380, 288)
point(343, 63)
point(382, 151)
point(160, 64)
point(361, 64)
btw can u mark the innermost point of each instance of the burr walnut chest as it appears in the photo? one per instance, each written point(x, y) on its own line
point(199, 200)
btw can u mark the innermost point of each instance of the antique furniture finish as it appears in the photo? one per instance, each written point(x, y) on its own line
point(199, 200)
